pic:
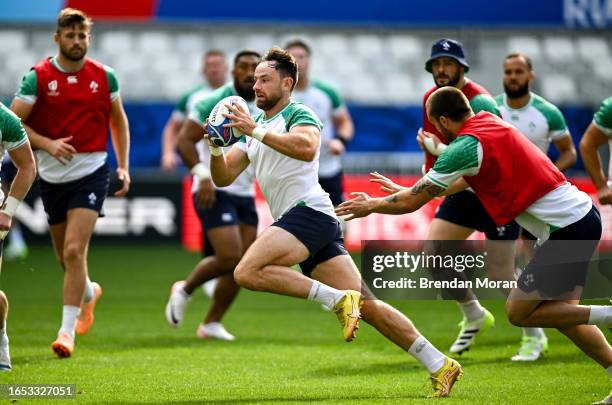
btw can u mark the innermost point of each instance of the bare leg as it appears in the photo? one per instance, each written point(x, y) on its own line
point(79, 228)
point(567, 316)
point(266, 265)
point(227, 289)
point(441, 229)
point(227, 243)
point(340, 272)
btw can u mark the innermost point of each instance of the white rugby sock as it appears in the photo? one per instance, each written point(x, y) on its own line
point(427, 354)
point(69, 317)
point(89, 291)
point(600, 315)
point(324, 294)
point(3, 337)
point(534, 332)
point(472, 310)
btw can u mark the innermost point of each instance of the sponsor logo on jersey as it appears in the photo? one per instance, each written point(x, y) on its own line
point(72, 80)
point(53, 88)
point(94, 86)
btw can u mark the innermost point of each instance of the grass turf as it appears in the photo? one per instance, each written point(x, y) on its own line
point(287, 350)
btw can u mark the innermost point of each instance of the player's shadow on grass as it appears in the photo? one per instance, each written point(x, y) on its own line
point(166, 341)
point(366, 369)
point(309, 399)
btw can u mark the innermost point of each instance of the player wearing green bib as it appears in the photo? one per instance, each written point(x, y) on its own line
point(596, 135)
point(282, 144)
point(14, 140)
point(214, 71)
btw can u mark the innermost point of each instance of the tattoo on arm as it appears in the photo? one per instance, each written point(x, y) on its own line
point(426, 185)
point(392, 198)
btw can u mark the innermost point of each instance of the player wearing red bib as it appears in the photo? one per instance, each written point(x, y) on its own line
point(67, 104)
point(461, 214)
point(515, 180)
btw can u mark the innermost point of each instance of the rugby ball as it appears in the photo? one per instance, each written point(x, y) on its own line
point(219, 135)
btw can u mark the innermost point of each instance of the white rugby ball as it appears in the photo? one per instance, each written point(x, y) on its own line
point(218, 134)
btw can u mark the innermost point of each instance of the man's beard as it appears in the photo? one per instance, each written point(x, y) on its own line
point(269, 102)
point(70, 56)
point(520, 92)
point(448, 135)
point(452, 82)
point(245, 90)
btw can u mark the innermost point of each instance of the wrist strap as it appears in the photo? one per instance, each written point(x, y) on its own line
point(341, 139)
point(215, 150)
point(10, 206)
point(259, 132)
point(200, 171)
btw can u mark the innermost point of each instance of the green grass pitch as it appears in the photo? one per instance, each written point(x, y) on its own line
point(287, 350)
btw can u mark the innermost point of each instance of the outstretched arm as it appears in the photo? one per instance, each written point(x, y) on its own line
point(402, 202)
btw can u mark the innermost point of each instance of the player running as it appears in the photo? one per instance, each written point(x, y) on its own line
point(282, 144)
point(14, 140)
point(214, 71)
point(338, 128)
point(542, 123)
point(514, 179)
point(461, 214)
point(227, 214)
point(597, 134)
point(67, 103)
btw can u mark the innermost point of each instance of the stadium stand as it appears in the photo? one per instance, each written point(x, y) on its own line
point(365, 66)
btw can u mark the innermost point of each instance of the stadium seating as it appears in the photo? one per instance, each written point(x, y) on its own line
point(367, 66)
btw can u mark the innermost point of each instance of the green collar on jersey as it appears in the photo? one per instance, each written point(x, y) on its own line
point(529, 103)
point(264, 119)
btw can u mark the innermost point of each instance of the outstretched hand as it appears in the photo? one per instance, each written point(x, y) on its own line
point(386, 184)
point(358, 207)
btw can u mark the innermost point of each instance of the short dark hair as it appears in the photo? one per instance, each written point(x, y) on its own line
point(521, 55)
point(246, 52)
point(298, 43)
point(284, 62)
point(69, 17)
point(449, 102)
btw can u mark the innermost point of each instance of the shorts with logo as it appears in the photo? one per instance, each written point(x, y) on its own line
point(87, 192)
point(465, 209)
point(319, 232)
point(229, 209)
point(334, 187)
point(561, 263)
